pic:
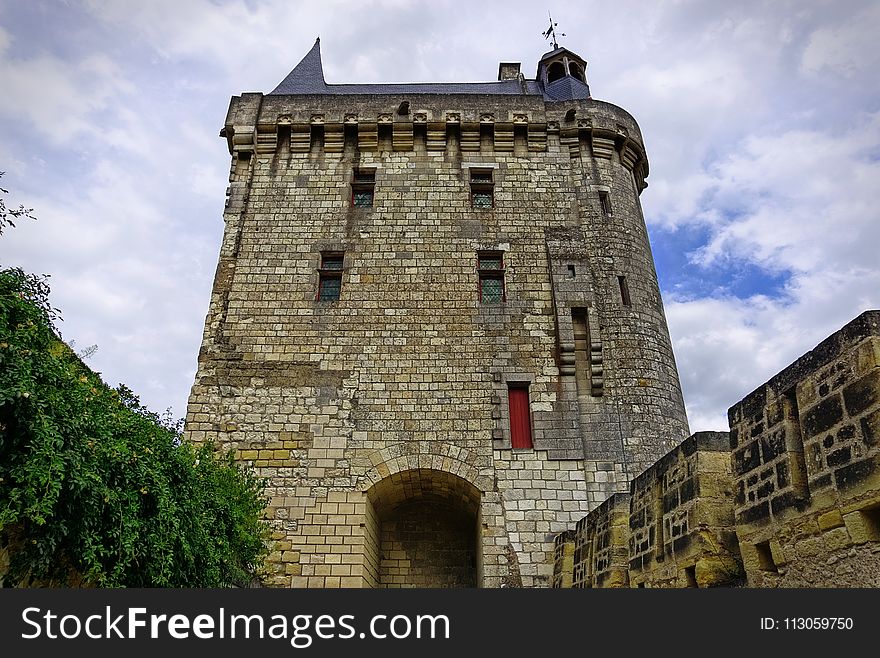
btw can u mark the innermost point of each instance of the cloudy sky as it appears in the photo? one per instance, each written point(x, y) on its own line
point(761, 121)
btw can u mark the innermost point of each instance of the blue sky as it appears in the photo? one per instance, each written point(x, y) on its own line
point(761, 121)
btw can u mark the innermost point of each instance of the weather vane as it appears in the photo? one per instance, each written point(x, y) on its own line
point(550, 33)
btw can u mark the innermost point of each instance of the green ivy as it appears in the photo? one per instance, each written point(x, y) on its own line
point(97, 490)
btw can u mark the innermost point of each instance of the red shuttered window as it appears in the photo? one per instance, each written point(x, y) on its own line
point(520, 418)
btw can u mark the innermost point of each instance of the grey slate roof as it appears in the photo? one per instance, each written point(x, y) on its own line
point(566, 89)
point(553, 53)
point(307, 77)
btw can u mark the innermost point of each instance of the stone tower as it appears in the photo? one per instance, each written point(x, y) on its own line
point(435, 327)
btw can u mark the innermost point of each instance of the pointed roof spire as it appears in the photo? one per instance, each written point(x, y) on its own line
point(307, 77)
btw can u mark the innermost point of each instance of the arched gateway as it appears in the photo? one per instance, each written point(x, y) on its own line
point(422, 529)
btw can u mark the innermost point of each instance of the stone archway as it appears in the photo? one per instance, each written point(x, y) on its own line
point(423, 530)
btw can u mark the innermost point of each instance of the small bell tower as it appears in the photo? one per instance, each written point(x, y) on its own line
point(563, 75)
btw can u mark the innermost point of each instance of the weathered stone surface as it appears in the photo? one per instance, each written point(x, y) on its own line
point(681, 519)
point(601, 542)
point(799, 474)
point(405, 377)
point(563, 563)
point(823, 513)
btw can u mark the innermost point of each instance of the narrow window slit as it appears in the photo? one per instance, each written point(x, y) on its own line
point(624, 291)
point(605, 202)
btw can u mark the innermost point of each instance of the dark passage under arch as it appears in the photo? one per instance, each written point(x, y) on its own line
point(425, 530)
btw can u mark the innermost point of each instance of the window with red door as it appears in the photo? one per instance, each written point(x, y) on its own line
point(520, 417)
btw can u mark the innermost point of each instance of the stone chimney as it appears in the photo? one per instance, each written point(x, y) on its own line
point(508, 70)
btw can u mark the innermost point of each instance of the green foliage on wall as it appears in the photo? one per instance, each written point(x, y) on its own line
point(95, 489)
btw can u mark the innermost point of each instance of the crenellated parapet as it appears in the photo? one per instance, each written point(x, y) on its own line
point(806, 466)
point(264, 125)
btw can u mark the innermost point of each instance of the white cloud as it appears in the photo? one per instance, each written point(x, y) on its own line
point(207, 181)
point(59, 97)
point(727, 347)
point(125, 275)
point(809, 205)
point(781, 174)
point(789, 195)
point(229, 36)
point(847, 49)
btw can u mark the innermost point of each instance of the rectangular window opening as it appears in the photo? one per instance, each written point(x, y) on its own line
point(490, 269)
point(363, 186)
point(482, 189)
point(624, 291)
point(520, 415)
point(870, 518)
point(797, 464)
point(605, 201)
point(765, 557)
point(690, 574)
point(330, 276)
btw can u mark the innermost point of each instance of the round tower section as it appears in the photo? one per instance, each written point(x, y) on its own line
point(641, 400)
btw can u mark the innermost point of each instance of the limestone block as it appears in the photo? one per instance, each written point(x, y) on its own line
point(829, 520)
point(861, 527)
point(837, 539)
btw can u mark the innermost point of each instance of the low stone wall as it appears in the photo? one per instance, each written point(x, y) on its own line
point(806, 457)
point(681, 522)
point(790, 498)
point(563, 559)
point(674, 528)
point(601, 552)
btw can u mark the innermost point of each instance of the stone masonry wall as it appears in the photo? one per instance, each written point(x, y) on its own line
point(406, 375)
point(681, 524)
point(563, 559)
point(790, 498)
point(421, 550)
point(601, 554)
point(806, 457)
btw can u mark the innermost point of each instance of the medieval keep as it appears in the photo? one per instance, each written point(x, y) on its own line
point(435, 326)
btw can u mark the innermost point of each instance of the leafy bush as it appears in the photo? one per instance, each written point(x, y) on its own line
point(97, 490)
